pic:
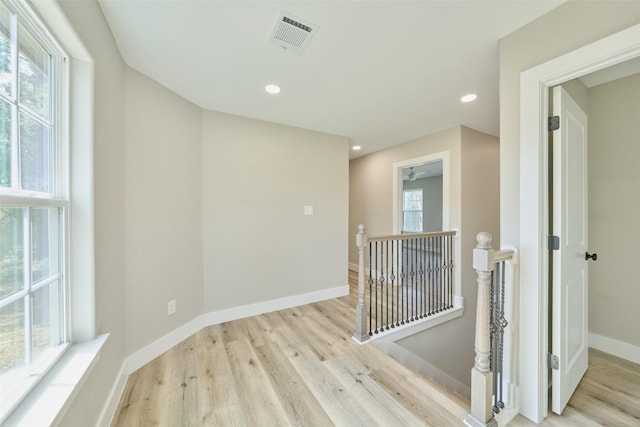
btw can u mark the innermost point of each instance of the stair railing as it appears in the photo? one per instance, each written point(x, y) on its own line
point(487, 375)
point(409, 277)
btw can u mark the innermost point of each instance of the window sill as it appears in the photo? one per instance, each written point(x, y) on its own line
point(47, 402)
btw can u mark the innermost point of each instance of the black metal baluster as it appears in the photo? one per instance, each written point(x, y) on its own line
point(493, 338)
point(377, 272)
point(370, 289)
point(403, 278)
point(503, 325)
point(423, 278)
point(431, 275)
point(439, 273)
point(393, 277)
point(449, 272)
point(386, 322)
point(414, 314)
point(399, 284)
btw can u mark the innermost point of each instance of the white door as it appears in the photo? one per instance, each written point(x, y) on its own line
point(570, 273)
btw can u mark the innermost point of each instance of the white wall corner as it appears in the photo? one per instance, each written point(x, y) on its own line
point(146, 354)
point(226, 315)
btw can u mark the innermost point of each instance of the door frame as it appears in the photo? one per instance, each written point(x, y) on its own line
point(397, 168)
point(534, 202)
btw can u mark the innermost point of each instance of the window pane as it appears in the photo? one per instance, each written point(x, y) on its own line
point(5, 144)
point(412, 200)
point(412, 222)
point(46, 320)
point(44, 243)
point(35, 155)
point(33, 65)
point(5, 52)
point(11, 251)
point(12, 336)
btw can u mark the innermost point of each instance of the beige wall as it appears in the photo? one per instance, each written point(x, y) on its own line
point(87, 20)
point(474, 207)
point(614, 208)
point(257, 243)
point(479, 201)
point(163, 210)
point(566, 28)
point(371, 184)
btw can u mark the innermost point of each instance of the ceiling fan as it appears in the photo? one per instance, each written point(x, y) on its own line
point(413, 175)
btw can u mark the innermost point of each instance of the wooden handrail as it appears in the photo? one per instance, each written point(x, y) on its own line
point(409, 236)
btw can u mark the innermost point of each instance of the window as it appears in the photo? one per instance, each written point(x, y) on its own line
point(33, 202)
point(412, 211)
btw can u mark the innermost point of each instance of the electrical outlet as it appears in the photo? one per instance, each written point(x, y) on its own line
point(171, 307)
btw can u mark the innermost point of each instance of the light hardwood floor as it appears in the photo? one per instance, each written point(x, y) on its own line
point(300, 367)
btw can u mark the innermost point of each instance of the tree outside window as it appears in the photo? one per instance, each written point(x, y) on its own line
point(412, 211)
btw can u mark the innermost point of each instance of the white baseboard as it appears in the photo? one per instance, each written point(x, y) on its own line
point(109, 409)
point(621, 349)
point(216, 317)
point(148, 353)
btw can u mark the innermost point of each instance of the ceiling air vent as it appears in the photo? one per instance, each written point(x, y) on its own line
point(291, 33)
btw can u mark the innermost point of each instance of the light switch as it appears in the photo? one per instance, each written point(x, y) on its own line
point(308, 210)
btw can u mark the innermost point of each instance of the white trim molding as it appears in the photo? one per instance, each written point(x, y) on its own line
point(146, 354)
point(47, 403)
point(442, 156)
point(111, 406)
point(620, 349)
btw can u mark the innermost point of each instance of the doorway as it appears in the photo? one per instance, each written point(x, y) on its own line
point(421, 194)
point(534, 225)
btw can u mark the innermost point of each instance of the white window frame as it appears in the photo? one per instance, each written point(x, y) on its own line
point(57, 197)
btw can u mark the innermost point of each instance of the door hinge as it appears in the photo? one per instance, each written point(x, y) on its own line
point(554, 123)
point(553, 243)
point(553, 362)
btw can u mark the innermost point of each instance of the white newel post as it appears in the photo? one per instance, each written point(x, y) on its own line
point(481, 377)
point(361, 334)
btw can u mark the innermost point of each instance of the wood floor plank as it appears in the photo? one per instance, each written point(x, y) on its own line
point(138, 408)
point(300, 405)
point(342, 408)
point(257, 398)
point(379, 404)
point(219, 396)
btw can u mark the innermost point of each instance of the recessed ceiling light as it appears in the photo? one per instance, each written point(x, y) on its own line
point(470, 97)
point(272, 89)
point(356, 148)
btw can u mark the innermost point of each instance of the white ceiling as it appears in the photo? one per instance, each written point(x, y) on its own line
point(378, 72)
point(426, 170)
